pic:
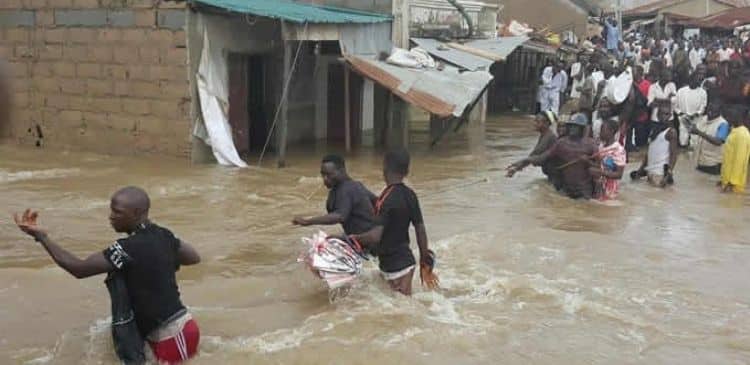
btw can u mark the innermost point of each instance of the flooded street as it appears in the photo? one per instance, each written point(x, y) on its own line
point(528, 276)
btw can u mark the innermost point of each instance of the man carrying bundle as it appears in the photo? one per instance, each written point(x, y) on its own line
point(349, 202)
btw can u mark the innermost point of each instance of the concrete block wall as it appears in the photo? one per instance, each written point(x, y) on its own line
point(106, 76)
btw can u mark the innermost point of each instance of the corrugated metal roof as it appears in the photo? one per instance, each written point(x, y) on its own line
point(497, 49)
point(444, 93)
point(652, 7)
point(297, 12)
point(728, 19)
point(464, 60)
point(539, 47)
point(656, 6)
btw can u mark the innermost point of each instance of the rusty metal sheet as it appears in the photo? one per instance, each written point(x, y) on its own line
point(444, 93)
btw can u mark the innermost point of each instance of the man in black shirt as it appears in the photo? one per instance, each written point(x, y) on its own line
point(349, 202)
point(397, 208)
point(148, 259)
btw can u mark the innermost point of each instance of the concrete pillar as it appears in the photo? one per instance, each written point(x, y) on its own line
point(368, 113)
point(483, 107)
point(398, 124)
point(283, 130)
point(401, 16)
point(438, 127)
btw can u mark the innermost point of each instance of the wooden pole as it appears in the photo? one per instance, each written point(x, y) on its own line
point(283, 126)
point(388, 131)
point(347, 111)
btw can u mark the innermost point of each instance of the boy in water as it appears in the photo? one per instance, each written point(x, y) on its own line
point(397, 208)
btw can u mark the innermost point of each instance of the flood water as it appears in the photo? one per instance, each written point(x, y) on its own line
point(528, 276)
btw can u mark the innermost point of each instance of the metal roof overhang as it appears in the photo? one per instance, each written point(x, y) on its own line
point(497, 49)
point(461, 59)
point(296, 12)
point(445, 93)
point(539, 47)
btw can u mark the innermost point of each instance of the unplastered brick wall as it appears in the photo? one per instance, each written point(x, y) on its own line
point(100, 75)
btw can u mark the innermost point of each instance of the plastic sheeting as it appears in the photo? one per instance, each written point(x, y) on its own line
point(365, 39)
point(331, 259)
point(213, 89)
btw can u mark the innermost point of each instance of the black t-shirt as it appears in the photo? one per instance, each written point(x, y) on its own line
point(352, 201)
point(399, 209)
point(148, 258)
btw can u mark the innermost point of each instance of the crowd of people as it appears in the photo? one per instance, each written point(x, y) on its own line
point(658, 96)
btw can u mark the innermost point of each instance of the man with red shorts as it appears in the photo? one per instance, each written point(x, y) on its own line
point(147, 259)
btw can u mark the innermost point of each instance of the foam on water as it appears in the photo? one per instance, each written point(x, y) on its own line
point(14, 176)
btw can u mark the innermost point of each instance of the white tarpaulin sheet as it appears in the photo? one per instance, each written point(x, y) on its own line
point(213, 90)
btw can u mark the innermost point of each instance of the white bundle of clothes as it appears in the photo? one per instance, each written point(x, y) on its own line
point(414, 58)
point(333, 260)
point(518, 29)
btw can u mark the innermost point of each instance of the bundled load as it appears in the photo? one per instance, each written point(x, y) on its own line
point(337, 262)
point(618, 87)
point(515, 29)
point(413, 58)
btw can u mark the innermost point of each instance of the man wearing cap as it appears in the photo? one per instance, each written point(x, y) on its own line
point(573, 153)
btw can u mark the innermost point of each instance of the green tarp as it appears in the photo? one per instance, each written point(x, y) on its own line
point(296, 12)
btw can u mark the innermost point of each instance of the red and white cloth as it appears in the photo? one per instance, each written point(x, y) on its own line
point(176, 341)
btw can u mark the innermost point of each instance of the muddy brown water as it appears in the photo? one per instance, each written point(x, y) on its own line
point(529, 277)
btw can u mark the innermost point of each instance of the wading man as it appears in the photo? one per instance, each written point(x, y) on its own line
point(349, 202)
point(148, 259)
point(547, 139)
point(573, 153)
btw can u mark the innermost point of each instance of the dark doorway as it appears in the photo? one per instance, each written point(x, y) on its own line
point(337, 108)
point(248, 102)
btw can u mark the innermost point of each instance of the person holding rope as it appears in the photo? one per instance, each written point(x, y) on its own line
point(547, 139)
point(573, 153)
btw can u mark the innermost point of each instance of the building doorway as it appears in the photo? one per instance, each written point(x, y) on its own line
point(337, 108)
point(249, 107)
